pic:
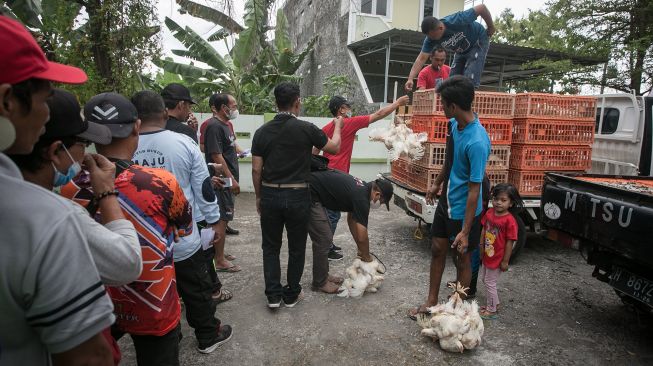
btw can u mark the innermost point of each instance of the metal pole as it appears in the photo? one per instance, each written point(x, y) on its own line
point(387, 71)
point(501, 71)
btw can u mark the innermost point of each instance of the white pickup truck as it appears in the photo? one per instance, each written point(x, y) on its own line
point(623, 145)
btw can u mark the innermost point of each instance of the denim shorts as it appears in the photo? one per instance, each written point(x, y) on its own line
point(472, 62)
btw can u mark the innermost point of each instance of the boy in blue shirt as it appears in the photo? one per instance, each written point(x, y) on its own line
point(460, 34)
point(456, 221)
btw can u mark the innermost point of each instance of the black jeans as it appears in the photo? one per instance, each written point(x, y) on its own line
point(154, 350)
point(195, 288)
point(209, 254)
point(289, 208)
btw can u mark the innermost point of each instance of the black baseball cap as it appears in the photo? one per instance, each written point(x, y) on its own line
point(336, 102)
point(386, 191)
point(66, 120)
point(177, 91)
point(113, 111)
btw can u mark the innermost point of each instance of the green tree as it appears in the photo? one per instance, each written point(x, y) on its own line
point(620, 31)
point(318, 105)
point(254, 64)
point(111, 40)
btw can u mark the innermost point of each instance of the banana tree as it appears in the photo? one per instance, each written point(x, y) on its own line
point(253, 66)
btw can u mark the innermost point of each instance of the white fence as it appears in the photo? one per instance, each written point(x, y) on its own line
point(368, 158)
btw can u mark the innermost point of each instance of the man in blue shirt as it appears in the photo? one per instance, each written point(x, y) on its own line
point(460, 34)
point(456, 221)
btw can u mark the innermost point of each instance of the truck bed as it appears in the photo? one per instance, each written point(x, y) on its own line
point(614, 212)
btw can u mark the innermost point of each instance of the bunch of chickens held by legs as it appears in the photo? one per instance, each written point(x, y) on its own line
point(456, 324)
point(362, 277)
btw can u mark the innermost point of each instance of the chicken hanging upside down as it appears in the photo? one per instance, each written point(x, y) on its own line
point(456, 323)
point(362, 277)
point(400, 140)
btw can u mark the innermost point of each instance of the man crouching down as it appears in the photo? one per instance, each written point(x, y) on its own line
point(338, 191)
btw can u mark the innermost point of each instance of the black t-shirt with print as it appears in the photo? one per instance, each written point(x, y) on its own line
point(340, 191)
point(219, 139)
point(286, 145)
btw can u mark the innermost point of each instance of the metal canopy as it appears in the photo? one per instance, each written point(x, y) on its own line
point(503, 63)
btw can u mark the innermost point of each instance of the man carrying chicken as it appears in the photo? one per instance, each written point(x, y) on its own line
point(338, 191)
point(456, 221)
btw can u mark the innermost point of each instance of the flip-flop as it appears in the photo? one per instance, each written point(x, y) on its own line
point(488, 315)
point(233, 269)
point(224, 295)
point(417, 311)
point(229, 257)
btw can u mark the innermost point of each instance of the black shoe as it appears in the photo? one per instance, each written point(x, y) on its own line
point(334, 256)
point(289, 303)
point(274, 302)
point(335, 247)
point(231, 231)
point(224, 335)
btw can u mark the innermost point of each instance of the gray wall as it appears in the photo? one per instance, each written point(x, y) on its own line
point(329, 57)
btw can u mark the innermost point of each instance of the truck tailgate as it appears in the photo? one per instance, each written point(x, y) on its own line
point(617, 219)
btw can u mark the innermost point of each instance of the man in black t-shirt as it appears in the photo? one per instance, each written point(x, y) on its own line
point(281, 160)
point(338, 191)
point(178, 105)
point(220, 148)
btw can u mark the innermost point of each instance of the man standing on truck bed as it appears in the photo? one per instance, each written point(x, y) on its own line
point(341, 108)
point(457, 217)
point(459, 33)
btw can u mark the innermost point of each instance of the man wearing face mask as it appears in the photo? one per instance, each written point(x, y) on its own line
point(220, 148)
point(432, 75)
point(341, 192)
point(341, 108)
point(53, 163)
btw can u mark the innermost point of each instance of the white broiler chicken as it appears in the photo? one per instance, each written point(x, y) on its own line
point(400, 140)
point(456, 324)
point(362, 277)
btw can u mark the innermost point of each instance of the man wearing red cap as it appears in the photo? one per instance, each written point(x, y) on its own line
point(52, 301)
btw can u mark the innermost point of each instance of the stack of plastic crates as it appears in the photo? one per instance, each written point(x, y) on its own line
point(550, 133)
point(495, 112)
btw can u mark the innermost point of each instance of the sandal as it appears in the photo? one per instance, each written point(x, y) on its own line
point(222, 296)
point(488, 315)
point(233, 269)
point(229, 257)
point(413, 312)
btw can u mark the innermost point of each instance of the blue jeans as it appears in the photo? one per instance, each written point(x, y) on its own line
point(471, 63)
point(334, 217)
point(289, 208)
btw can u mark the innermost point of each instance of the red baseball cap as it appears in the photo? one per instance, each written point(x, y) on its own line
point(22, 58)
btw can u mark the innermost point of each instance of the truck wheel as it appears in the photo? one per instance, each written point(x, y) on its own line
point(521, 238)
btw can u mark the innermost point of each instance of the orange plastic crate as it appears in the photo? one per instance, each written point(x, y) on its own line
point(434, 154)
point(536, 105)
point(528, 183)
point(550, 158)
point(497, 176)
point(423, 102)
point(498, 129)
point(552, 131)
point(486, 104)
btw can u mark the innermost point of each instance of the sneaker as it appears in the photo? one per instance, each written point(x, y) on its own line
point(224, 335)
point(274, 302)
point(335, 247)
point(231, 231)
point(295, 301)
point(334, 256)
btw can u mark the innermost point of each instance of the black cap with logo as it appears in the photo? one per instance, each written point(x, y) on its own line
point(386, 191)
point(66, 120)
point(114, 111)
point(176, 91)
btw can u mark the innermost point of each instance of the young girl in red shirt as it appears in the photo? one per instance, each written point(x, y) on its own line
point(498, 236)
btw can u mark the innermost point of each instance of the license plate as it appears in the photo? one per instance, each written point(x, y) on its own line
point(632, 285)
point(414, 205)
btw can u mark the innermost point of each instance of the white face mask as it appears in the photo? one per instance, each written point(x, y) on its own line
point(7, 133)
point(233, 114)
point(348, 114)
point(375, 204)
